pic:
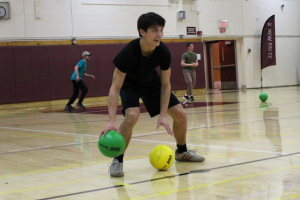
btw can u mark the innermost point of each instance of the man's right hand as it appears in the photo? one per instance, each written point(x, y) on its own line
point(77, 78)
point(110, 126)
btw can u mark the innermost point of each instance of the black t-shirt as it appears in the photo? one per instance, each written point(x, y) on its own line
point(140, 71)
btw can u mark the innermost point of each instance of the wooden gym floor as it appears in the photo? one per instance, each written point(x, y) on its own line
point(251, 148)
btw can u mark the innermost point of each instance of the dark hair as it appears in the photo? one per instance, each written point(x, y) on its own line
point(148, 20)
point(188, 44)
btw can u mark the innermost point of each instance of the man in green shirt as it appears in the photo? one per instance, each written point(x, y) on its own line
point(189, 62)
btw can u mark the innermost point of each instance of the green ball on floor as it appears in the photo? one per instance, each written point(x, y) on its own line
point(263, 97)
point(112, 145)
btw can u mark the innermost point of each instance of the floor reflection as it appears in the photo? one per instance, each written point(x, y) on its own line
point(291, 187)
point(120, 186)
point(82, 127)
point(272, 125)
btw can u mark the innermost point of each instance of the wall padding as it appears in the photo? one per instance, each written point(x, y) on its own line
point(23, 74)
point(57, 72)
point(39, 73)
point(7, 80)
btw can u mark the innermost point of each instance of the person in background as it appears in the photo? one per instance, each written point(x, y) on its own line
point(189, 62)
point(78, 84)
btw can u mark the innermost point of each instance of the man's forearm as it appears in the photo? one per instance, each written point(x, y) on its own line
point(186, 65)
point(165, 98)
point(113, 99)
point(87, 75)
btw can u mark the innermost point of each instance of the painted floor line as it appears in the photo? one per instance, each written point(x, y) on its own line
point(216, 147)
point(184, 189)
point(152, 133)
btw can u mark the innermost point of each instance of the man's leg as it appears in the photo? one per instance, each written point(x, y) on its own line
point(188, 80)
point(193, 75)
point(179, 123)
point(83, 89)
point(180, 128)
point(131, 112)
point(74, 95)
point(131, 117)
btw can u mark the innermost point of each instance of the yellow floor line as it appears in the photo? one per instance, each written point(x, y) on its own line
point(64, 183)
point(66, 167)
point(44, 136)
point(123, 184)
point(51, 185)
point(209, 184)
point(290, 197)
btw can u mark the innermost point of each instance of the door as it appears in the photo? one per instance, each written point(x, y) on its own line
point(227, 64)
point(216, 66)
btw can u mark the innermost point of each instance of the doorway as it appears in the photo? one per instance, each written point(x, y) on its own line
point(221, 60)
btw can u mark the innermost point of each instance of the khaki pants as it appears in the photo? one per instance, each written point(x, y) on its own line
point(190, 79)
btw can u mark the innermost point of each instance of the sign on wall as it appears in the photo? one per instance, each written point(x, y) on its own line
point(191, 30)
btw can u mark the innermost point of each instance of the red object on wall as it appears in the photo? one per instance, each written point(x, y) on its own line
point(199, 32)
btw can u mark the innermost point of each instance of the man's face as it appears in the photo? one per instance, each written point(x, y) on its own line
point(153, 35)
point(88, 58)
point(191, 47)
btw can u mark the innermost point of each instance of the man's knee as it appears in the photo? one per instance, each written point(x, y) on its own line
point(131, 116)
point(179, 114)
point(75, 93)
point(182, 116)
point(85, 90)
point(188, 81)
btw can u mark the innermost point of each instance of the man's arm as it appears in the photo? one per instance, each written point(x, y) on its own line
point(196, 63)
point(164, 100)
point(76, 71)
point(113, 98)
point(89, 75)
point(183, 64)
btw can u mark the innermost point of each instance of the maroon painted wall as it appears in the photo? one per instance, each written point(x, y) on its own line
point(38, 73)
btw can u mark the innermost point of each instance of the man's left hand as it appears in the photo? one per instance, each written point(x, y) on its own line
point(163, 121)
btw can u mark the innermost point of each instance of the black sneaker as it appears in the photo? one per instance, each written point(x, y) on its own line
point(69, 108)
point(191, 98)
point(186, 97)
point(79, 105)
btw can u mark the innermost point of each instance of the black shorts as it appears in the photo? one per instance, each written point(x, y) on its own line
point(130, 99)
